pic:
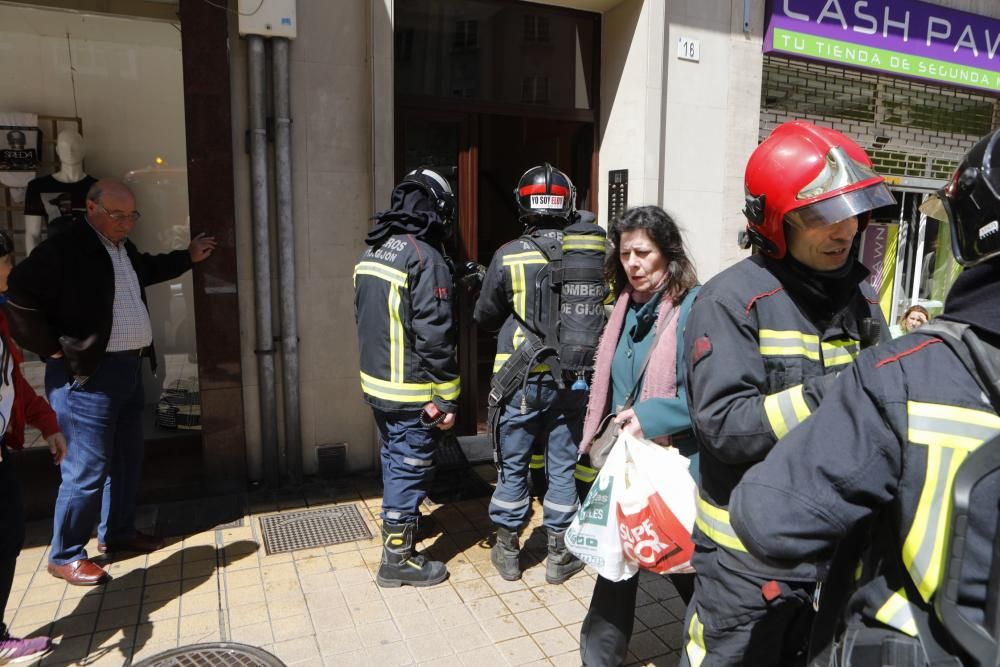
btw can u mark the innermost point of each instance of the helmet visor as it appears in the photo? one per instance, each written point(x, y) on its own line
point(975, 231)
point(844, 206)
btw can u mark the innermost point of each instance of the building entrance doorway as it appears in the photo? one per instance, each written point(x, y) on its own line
point(486, 89)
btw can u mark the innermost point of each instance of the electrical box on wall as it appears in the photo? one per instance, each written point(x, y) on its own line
point(268, 18)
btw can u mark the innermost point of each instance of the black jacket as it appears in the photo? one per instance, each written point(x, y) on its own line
point(406, 332)
point(61, 297)
point(757, 366)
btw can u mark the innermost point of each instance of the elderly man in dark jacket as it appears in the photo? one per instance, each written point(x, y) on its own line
point(79, 301)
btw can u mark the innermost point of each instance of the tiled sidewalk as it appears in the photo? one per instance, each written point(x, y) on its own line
point(321, 606)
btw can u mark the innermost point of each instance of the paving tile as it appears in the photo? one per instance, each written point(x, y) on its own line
point(390, 655)
point(164, 591)
point(339, 641)
point(550, 595)
point(296, 651)
point(501, 585)
point(240, 578)
point(74, 625)
point(285, 607)
point(369, 612)
point(416, 625)
point(537, 620)
point(520, 601)
point(429, 647)
point(581, 587)
point(352, 576)
point(195, 624)
point(110, 619)
point(568, 612)
point(460, 572)
point(671, 634)
point(467, 637)
point(245, 594)
point(646, 645)
point(291, 627)
point(365, 592)
point(332, 619)
point(520, 651)
point(556, 641)
point(475, 589)
point(406, 604)
point(503, 628)
point(37, 613)
point(160, 632)
point(440, 596)
point(452, 616)
point(154, 611)
point(488, 608)
point(68, 650)
point(487, 656)
point(255, 634)
point(248, 614)
point(46, 594)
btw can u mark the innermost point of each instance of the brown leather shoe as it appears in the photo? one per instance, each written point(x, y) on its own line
point(83, 572)
point(138, 543)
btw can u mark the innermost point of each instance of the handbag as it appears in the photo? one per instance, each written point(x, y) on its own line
point(607, 429)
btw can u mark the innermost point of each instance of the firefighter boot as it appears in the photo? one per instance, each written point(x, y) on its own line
point(505, 554)
point(561, 564)
point(401, 564)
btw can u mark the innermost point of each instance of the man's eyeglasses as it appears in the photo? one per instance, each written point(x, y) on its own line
point(119, 217)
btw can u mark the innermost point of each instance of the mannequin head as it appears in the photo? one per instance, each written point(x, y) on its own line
point(70, 147)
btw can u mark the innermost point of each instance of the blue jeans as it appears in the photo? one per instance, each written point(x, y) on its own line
point(102, 422)
point(554, 417)
point(407, 450)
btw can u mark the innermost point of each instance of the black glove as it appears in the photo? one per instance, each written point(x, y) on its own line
point(469, 276)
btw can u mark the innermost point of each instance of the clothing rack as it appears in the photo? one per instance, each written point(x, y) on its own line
point(50, 126)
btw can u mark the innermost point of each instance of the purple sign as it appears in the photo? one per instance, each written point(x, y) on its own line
point(903, 37)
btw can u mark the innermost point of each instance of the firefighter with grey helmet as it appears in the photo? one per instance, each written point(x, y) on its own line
point(403, 286)
point(905, 444)
point(764, 341)
point(544, 292)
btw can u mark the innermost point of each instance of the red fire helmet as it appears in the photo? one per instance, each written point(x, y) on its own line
point(808, 176)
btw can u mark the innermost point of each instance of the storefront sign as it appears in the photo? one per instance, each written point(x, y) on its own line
point(903, 37)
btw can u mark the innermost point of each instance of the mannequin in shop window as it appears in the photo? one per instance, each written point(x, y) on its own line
point(58, 200)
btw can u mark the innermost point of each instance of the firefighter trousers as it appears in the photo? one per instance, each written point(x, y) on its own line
point(738, 619)
point(550, 415)
point(407, 452)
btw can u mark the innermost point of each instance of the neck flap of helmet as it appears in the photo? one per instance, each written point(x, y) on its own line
point(412, 211)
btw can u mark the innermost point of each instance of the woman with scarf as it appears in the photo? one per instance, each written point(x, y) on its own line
point(19, 405)
point(656, 285)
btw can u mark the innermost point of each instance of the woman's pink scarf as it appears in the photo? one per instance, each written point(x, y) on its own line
point(660, 379)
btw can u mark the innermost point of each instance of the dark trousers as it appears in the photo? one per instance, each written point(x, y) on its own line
point(607, 628)
point(731, 623)
point(407, 450)
point(12, 532)
point(102, 422)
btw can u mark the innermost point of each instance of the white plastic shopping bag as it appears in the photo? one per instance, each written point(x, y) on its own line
point(593, 535)
point(656, 507)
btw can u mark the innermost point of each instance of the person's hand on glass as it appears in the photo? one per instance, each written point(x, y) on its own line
point(201, 247)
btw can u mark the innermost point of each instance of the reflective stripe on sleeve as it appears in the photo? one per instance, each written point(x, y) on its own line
point(695, 648)
point(397, 337)
point(418, 463)
point(519, 287)
point(585, 474)
point(714, 522)
point(897, 613)
point(788, 344)
point(537, 461)
point(949, 433)
point(839, 352)
point(448, 391)
point(786, 410)
point(583, 242)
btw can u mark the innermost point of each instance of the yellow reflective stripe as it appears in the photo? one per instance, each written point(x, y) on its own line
point(519, 290)
point(537, 461)
point(695, 647)
point(396, 336)
point(949, 433)
point(527, 257)
point(450, 390)
point(859, 570)
point(585, 474)
point(394, 276)
point(786, 410)
point(897, 613)
point(839, 352)
point(714, 522)
point(402, 392)
point(583, 242)
point(502, 357)
point(788, 343)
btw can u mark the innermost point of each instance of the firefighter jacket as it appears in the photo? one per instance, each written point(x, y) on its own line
point(756, 368)
point(406, 333)
point(887, 441)
point(514, 297)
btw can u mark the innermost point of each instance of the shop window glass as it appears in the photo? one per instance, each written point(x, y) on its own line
point(122, 78)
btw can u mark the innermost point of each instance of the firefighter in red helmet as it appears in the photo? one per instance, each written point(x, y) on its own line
point(764, 340)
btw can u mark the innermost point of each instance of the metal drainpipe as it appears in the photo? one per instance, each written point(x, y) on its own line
point(262, 263)
point(286, 258)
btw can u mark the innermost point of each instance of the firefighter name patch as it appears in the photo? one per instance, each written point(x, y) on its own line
point(547, 201)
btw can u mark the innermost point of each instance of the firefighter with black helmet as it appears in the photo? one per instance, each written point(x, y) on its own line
point(763, 342)
point(887, 447)
point(409, 368)
point(532, 398)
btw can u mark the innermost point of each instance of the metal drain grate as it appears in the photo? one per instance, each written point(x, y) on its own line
point(219, 654)
point(306, 529)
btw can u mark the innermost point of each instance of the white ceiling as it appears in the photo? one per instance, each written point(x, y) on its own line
point(87, 27)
